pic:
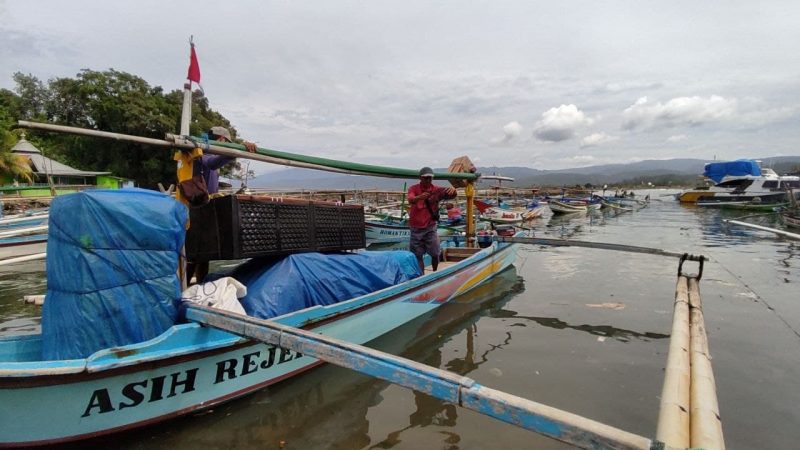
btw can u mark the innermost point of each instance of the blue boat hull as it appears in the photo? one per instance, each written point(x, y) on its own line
point(190, 367)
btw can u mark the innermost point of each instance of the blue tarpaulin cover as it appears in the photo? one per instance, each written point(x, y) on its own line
point(112, 259)
point(740, 167)
point(307, 279)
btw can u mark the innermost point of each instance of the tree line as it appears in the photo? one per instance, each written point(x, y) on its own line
point(112, 101)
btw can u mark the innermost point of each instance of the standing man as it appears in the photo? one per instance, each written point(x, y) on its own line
point(208, 167)
point(423, 199)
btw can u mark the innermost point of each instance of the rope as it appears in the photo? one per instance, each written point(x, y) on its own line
point(760, 298)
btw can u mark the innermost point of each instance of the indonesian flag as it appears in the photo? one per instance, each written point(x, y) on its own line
point(194, 67)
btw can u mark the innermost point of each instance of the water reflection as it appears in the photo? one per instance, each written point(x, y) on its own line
point(17, 281)
point(620, 334)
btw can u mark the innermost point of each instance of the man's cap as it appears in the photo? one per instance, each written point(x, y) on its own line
point(221, 131)
point(426, 172)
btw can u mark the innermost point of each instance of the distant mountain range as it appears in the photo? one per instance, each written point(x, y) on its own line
point(659, 172)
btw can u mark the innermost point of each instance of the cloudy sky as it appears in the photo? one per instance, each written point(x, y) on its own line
point(547, 85)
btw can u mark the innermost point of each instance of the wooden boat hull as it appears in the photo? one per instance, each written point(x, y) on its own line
point(566, 208)
point(791, 220)
point(22, 245)
point(502, 216)
point(388, 233)
point(190, 367)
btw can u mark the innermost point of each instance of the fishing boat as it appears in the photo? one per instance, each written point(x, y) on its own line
point(16, 242)
point(189, 367)
point(507, 216)
point(750, 205)
point(791, 218)
point(22, 222)
point(389, 231)
point(560, 207)
point(740, 181)
point(616, 206)
point(790, 215)
point(534, 212)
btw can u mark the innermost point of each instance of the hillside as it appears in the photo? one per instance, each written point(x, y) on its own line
point(678, 171)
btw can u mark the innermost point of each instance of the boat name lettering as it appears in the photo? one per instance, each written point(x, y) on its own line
point(166, 386)
point(101, 399)
point(226, 370)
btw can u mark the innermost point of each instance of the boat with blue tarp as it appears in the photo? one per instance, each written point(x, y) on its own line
point(740, 181)
point(117, 357)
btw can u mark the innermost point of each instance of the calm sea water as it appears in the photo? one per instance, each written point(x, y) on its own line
point(578, 329)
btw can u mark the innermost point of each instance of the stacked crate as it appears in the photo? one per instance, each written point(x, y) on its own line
point(244, 226)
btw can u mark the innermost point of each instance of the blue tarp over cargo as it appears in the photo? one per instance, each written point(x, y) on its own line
point(741, 167)
point(307, 279)
point(112, 258)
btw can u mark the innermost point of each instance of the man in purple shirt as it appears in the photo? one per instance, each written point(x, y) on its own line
point(208, 166)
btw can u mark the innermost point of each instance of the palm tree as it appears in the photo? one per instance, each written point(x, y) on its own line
point(16, 166)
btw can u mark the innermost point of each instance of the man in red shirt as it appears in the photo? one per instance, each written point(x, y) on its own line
point(423, 199)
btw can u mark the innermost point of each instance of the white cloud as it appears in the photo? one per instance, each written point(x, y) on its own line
point(680, 111)
point(677, 138)
point(595, 139)
point(511, 133)
point(512, 130)
point(560, 124)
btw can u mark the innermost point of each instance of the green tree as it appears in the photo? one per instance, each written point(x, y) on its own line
point(15, 166)
point(113, 101)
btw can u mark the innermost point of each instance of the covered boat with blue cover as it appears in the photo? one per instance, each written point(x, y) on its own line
point(113, 355)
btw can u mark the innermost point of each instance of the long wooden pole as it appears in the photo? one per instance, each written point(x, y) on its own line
point(597, 245)
point(771, 230)
point(706, 423)
point(673, 416)
point(551, 422)
point(469, 191)
point(261, 154)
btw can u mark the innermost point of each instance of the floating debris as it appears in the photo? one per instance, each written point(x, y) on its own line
point(609, 305)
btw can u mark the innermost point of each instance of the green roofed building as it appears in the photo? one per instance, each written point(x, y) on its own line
point(64, 178)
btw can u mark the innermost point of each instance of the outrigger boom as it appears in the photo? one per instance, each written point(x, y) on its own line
point(459, 390)
point(262, 154)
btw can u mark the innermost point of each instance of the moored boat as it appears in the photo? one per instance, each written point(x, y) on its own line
point(791, 219)
point(388, 232)
point(559, 207)
point(189, 367)
point(740, 181)
point(17, 242)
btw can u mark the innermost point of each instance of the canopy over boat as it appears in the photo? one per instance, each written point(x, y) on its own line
point(741, 167)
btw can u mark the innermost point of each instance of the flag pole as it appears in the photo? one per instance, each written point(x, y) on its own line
point(186, 112)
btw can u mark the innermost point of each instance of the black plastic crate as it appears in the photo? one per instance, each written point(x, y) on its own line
point(243, 226)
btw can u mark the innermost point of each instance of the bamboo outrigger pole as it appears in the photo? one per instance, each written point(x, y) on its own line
point(673, 417)
point(459, 390)
point(262, 154)
point(706, 425)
